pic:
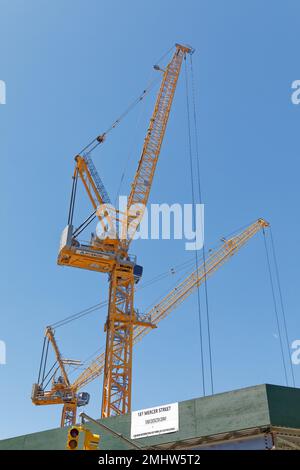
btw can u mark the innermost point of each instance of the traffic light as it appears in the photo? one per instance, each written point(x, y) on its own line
point(73, 438)
point(91, 440)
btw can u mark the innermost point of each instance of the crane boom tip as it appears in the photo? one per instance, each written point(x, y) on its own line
point(185, 48)
point(263, 222)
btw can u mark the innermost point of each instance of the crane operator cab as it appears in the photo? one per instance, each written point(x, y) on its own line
point(137, 272)
point(83, 399)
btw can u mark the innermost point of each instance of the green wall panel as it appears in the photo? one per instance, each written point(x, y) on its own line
point(250, 407)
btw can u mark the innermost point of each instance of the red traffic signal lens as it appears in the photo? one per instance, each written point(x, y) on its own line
point(74, 432)
point(73, 444)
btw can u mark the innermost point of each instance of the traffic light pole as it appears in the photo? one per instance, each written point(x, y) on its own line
point(111, 431)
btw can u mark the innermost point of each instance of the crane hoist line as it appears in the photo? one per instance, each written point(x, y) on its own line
point(62, 392)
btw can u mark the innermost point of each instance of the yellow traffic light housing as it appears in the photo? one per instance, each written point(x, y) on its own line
point(73, 438)
point(91, 440)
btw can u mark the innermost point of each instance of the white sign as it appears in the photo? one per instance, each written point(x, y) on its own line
point(153, 421)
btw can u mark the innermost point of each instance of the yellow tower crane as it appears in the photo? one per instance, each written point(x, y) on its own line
point(109, 253)
point(68, 395)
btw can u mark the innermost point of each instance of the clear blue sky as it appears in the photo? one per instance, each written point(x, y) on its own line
point(71, 67)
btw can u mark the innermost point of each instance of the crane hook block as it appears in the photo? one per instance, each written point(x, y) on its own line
point(101, 138)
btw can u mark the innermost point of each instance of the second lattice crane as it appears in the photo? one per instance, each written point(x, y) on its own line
point(62, 392)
